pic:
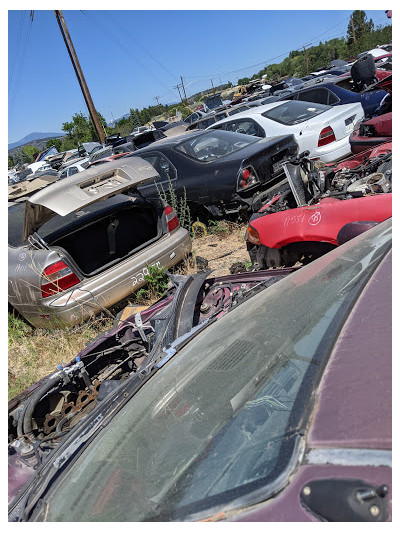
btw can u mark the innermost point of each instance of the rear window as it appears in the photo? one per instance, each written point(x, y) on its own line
point(295, 112)
point(214, 145)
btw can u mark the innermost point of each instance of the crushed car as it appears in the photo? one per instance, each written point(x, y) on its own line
point(242, 398)
point(303, 220)
point(86, 243)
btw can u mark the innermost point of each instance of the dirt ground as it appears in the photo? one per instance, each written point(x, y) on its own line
point(223, 247)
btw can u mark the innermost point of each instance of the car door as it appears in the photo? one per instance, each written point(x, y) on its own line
point(167, 174)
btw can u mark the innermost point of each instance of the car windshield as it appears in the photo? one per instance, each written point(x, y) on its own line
point(217, 427)
point(295, 112)
point(214, 144)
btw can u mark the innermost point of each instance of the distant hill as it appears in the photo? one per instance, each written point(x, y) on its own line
point(34, 137)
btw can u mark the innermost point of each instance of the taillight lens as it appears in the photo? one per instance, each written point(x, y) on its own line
point(326, 136)
point(252, 236)
point(247, 178)
point(58, 278)
point(172, 219)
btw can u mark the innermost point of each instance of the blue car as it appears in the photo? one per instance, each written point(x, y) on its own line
point(339, 91)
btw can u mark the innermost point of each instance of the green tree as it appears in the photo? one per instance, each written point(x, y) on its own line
point(81, 129)
point(20, 158)
point(31, 153)
point(135, 117)
point(10, 162)
point(54, 142)
point(358, 26)
point(67, 144)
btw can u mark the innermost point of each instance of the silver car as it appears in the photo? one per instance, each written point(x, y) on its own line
point(84, 244)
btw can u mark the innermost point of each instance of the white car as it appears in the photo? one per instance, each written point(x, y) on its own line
point(323, 130)
point(139, 130)
point(74, 168)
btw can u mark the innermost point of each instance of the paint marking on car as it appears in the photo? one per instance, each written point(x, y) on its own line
point(294, 219)
point(315, 218)
point(139, 277)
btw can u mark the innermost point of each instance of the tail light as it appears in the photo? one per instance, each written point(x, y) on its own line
point(172, 219)
point(247, 178)
point(58, 278)
point(252, 236)
point(326, 136)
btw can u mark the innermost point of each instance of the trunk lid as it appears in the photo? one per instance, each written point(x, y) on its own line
point(341, 118)
point(85, 188)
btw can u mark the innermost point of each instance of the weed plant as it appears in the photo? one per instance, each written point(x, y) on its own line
point(179, 205)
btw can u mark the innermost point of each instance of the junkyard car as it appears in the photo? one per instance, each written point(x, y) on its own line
point(322, 130)
point(372, 132)
point(32, 184)
point(74, 168)
point(71, 256)
point(339, 91)
point(217, 171)
point(303, 221)
point(251, 398)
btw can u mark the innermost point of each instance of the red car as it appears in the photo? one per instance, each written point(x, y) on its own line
point(372, 132)
point(302, 222)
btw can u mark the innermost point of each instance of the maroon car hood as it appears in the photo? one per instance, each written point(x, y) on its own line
point(355, 403)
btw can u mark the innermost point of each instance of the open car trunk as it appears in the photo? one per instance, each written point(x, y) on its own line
point(98, 240)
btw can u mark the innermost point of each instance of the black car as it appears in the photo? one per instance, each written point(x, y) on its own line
point(220, 171)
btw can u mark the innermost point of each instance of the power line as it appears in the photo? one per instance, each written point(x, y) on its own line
point(141, 46)
point(127, 50)
point(18, 79)
point(21, 23)
point(267, 61)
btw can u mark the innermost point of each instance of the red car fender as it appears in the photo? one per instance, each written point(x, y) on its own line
point(320, 222)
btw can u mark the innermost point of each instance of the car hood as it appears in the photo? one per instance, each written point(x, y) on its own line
point(85, 188)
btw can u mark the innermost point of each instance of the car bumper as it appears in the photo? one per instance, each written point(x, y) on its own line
point(101, 292)
point(334, 151)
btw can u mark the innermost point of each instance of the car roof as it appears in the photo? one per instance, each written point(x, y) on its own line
point(168, 141)
point(254, 110)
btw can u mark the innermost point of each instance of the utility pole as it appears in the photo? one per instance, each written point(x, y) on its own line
point(212, 86)
point(178, 87)
point(157, 98)
point(308, 61)
point(352, 25)
point(79, 74)
point(184, 90)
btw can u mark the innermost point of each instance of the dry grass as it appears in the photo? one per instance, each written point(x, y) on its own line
point(34, 353)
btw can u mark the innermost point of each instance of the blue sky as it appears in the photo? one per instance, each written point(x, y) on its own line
point(130, 57)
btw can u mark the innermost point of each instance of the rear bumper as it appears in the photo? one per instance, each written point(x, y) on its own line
point(101, 292)
point(334, 151)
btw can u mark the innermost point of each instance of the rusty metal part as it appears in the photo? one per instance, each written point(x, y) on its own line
point(84, 398)
point(96, 385)
point(67, 408)
point(50, 422)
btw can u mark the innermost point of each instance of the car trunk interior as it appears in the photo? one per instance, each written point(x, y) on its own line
point(99, 240)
